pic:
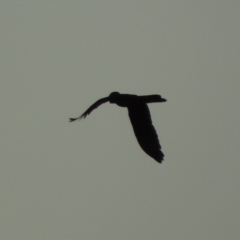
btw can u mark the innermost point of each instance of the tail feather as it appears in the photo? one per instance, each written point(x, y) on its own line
point(152, 98)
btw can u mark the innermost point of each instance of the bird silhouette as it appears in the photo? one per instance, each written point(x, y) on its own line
point(140, 118)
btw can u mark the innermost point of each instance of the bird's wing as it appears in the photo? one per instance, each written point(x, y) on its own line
point(91, 108)
point(144, 130)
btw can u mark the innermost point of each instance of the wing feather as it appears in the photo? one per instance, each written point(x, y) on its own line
point(91, 108)
point(145, 132)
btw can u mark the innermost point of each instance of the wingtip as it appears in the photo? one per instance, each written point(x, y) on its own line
point(160, 158)
point(72, 119)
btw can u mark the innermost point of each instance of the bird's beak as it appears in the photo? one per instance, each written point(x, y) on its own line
point(163, 100)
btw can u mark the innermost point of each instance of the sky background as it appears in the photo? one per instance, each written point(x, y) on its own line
point(90, 179)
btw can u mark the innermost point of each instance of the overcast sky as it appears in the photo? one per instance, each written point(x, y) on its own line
point(90, 179)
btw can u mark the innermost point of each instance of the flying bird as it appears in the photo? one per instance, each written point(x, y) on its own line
point(140, 118)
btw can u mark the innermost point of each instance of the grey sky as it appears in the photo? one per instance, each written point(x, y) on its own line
point(90, 179)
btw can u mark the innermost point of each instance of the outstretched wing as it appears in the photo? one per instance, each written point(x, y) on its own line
point(144, 130)
point(90, 109)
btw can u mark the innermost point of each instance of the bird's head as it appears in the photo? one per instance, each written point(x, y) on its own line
point(113, 97)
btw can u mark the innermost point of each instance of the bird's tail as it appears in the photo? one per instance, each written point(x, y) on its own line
point(152, 98)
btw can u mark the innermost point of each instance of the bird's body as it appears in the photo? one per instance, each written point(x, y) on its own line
point(140, 118)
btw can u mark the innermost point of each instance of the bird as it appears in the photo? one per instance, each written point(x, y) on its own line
point(140, 119)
